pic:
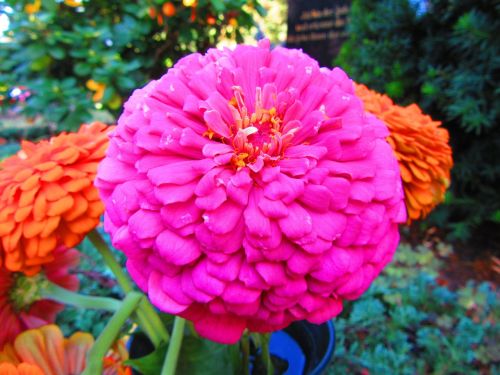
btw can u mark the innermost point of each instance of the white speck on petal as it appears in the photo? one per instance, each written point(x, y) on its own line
point(309, 70)
point(186, 218)
point(171, 88)
point(169, 139)
point(206, 218)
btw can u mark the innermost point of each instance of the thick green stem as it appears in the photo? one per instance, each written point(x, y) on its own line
point(147, 316)
point(245, 350)
point(110, 333)
point(174, 347)
point(266, 355)
point(67, 297)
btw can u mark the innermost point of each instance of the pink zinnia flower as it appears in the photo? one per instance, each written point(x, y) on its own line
point(248, 189)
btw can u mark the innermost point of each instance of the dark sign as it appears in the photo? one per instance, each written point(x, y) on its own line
point(318, 27)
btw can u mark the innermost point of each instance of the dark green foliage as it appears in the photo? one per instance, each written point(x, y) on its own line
point(55, 51)
point(446, 58)
point(409, 324)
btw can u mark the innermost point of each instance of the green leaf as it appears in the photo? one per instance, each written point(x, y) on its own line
point(218, 5)
point(150, 364)
point(204, 357)
point(57, 53)
point(82, 69)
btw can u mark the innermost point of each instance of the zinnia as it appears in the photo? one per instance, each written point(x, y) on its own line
point(248, 190)
point(47, 197)
point(421, 147)
point(19, 307)
point(46, 348)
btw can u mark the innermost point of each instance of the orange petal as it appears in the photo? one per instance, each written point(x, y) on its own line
point(28, 369)
point(30, 182)
point(79, 208)
point(40, 207)
point(13, 261)
point(54, 191)
point(6, 227)
point(60, 206)
point(27, 197)
point(11, 241)
point(76, 348)
point(42, 167)
point(54, 174)
point(76, 185)
point(31, 247)
point(22, 175)
point(22, 213)
point(96, 209)
point(33, 228)
point(82, 225)
point(67, 156)
point(50, 226)
point(91, 193)
point(47, 245)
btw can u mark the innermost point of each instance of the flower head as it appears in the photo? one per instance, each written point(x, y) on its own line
point(46, 348)
point(20, 305)
point(421, 147)
point(47, 197)
point(248, 190)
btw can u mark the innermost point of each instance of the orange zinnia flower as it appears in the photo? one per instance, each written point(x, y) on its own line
point(20, 306)
point(47, 349)
point(47, 196)
point(421, 147)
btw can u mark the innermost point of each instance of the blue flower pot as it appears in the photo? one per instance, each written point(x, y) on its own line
point(308, 348)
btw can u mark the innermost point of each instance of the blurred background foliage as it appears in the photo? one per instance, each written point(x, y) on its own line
point(63, 63)
point(445, 56)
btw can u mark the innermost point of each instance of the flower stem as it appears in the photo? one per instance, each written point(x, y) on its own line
point(147, 316)
point(174, 347)
point(245, 349)
point(110, 333)
point(266, 355)
point(67, 297)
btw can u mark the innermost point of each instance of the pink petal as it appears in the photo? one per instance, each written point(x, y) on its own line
point(214, 122)
point(273, 273)
point(224, 218)
point(178, 215)
point(159, 298)
point(177, 250)
point(297, 224)
point(179, 173)
point(224, 329)
point(145, 224)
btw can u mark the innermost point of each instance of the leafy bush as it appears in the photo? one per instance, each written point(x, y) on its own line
point(409, 323)
point(75, 55)
point(444, 56)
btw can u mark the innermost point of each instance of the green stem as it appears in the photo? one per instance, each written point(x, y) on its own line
point(67, 297)
point(245, 349)
point(174, 347)
point(110, 333)
point(147, 316)
point(266, 355)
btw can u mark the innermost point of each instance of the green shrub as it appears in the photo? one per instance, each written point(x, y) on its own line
point(407, 323)
point(445, 56)
point(74, 59)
